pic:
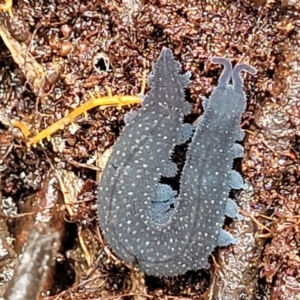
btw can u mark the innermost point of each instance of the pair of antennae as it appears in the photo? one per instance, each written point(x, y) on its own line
point(235, 74)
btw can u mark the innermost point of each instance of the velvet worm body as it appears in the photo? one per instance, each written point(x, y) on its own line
point(207, 176)
point(144, 220)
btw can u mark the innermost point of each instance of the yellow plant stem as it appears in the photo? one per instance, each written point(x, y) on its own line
point(7, 7)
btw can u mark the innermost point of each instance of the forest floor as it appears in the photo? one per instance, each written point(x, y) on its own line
point(53, 55)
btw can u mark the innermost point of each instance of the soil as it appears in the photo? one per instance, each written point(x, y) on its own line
point(53, 54)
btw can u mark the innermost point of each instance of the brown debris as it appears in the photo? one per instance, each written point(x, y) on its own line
point(42, 207)
point(33, 269)
point(281, 261)
point(7, 253)
point(34, 72)
point(237, 272)
point(65, 51)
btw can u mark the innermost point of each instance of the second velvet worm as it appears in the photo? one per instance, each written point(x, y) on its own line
point(207, 176)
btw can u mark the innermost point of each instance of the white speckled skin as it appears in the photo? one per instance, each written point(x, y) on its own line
point(132, 207)
point(130, 181)
point(207, 175)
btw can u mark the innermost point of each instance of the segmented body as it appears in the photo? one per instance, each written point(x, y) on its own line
point(130, 181)
point(207, 176)
point(143, 220)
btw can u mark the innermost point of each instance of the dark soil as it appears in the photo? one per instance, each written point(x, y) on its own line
point(52, 54)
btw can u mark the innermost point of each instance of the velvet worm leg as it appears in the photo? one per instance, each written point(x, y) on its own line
point(226, 239)
point(232, 210)
point(238, 150)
